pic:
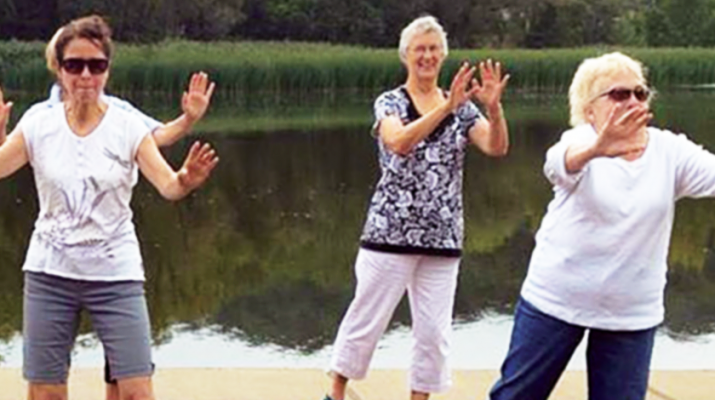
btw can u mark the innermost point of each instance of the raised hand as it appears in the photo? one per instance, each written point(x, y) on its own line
point(459, 90)
point(195, 101)
point(619, 135)
point(489, 92)
point(198, 165)
point(4, 115)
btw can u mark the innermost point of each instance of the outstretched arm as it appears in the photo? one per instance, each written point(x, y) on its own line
point(173, 185)
point(491, 135)
point(194, 104)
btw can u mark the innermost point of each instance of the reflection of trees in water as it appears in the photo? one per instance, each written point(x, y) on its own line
point(266, 249)
point(298, 315)
point(690, 299)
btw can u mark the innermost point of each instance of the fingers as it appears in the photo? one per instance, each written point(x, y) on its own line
point(490, 70)
point(459, 77)
point(630, 115)
point(199, 83)
point(210, 91)
point(201, 154)
point(193, 152)
point(505, 80)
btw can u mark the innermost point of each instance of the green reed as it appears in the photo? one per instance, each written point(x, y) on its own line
point(246, 68)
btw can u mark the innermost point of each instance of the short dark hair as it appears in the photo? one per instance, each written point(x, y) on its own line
point(93, 28)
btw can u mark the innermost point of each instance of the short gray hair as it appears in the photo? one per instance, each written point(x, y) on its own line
point(587, 81)
point(419, 26)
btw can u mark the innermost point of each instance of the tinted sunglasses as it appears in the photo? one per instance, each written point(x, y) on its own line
point(622, 94)
point(75, 66)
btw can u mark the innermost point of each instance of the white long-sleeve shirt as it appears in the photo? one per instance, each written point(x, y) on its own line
point(601, 251)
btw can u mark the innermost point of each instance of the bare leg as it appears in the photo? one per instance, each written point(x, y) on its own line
point(112, 391)
point(36, 391)
point(419, 396)
point(338, 386)
point(139, 388)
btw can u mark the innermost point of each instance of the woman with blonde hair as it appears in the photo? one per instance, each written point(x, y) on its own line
point(413, 234)
point(600, 261)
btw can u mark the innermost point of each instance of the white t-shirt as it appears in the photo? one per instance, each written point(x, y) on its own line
point(84, 229)
point(55, 97)
point(601, 251)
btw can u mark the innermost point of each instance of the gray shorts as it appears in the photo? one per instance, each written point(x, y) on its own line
point(51, 311)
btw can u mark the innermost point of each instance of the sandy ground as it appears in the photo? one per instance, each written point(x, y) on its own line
point(310, 384)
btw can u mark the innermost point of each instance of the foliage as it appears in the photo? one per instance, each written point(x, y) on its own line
point(470, 23)
point(248, 70)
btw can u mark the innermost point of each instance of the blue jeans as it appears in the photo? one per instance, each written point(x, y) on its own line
point(618, 362)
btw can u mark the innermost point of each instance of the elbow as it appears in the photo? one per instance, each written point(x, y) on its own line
point(399, 147)
point(498, 152)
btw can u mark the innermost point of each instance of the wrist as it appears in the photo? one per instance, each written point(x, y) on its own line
point(182, 177)
point(495, 112)
point(188, 121)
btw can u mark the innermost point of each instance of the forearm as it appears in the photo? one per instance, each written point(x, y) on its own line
point(173, 189)
point(498, 138)
point(173, 131)
point(403, 140)
point(577, 156)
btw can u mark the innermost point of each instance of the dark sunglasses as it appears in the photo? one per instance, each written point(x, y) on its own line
point(75, 66)
point(622, 94)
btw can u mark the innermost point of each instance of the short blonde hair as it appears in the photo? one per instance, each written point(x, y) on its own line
point(420, 26)
point(50, 57)
point(589, 77)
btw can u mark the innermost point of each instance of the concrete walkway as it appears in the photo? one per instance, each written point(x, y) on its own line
point(310, 384)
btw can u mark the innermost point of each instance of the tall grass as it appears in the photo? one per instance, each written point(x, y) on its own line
point(246, 68)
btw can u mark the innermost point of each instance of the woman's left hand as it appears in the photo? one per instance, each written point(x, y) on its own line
point(489, 92)
point(195, 101)
point(198, 165)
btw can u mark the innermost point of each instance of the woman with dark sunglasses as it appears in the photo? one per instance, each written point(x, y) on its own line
point(599, 265)
point(85, 154)
point(194, 102)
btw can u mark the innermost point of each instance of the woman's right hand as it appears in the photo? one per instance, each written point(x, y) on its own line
point(621, 133)
point(459, 90)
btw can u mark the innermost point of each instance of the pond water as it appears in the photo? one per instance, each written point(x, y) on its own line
point(255, 269)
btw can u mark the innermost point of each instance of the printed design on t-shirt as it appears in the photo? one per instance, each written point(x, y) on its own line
point(74, 230)
point(126, 164)
point(418, 199)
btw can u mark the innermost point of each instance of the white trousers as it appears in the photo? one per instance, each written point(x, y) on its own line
point(382, 278)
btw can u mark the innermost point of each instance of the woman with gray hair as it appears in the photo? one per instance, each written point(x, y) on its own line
point(412, 238)
point(599, 264)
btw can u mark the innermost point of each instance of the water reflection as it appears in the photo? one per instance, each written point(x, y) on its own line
point(263, 254)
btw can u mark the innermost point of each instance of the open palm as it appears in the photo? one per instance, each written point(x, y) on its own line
point(489, 92)
point(198, 165)
point(195, 101)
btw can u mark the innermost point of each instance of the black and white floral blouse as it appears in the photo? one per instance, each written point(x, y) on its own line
point(417, 204)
